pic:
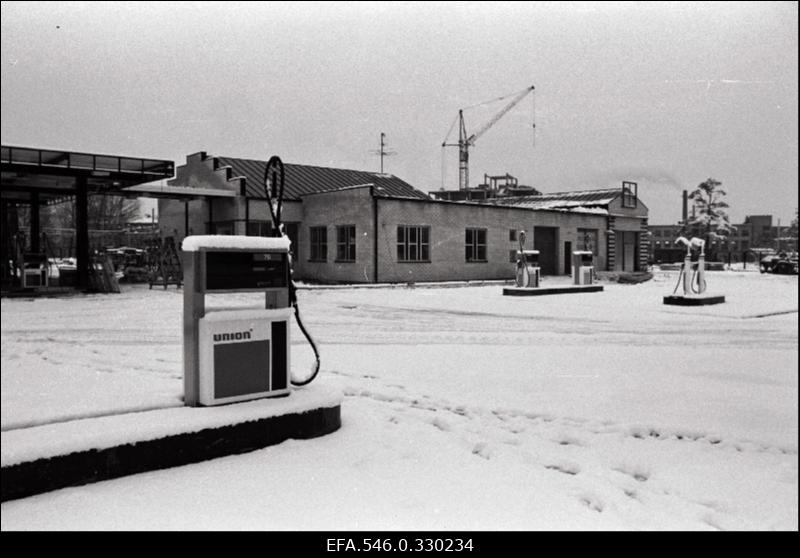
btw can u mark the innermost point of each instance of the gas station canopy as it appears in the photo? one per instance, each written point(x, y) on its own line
point(34, 177)
point(51, 174)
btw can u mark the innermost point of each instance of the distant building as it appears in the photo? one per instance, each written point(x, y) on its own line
point(142, 225)
point(624, 237)
point(500, 186)
point(756, 232)
point(365, 227)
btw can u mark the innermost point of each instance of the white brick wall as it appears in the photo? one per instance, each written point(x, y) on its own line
point(448, 222)
point(346, 207)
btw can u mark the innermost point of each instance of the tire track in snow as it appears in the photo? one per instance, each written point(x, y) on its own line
point(546, 422)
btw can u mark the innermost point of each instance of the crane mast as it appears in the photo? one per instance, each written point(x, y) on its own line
point(465, 141)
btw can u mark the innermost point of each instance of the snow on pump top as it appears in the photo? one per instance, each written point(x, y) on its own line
point(199, 242)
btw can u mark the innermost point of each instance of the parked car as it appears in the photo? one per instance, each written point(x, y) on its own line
point(130, 263)
point(781, 263)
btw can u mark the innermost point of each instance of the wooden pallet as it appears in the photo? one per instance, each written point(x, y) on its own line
point(101, 276)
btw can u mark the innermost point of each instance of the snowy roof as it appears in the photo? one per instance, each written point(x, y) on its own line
point(307, 179)
point(196, 243)
point(168, 191)
point(575, 209)
point(572, 201)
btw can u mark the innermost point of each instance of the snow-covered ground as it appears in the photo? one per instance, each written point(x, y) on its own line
point(463, 410)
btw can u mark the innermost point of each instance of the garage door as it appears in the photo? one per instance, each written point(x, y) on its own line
point(545, 240)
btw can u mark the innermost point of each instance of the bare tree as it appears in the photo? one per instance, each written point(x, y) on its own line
point(792, 230)
point(105, 213)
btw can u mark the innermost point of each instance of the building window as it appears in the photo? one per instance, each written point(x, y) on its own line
point(475, 247)
point(588, 240)
point(512, 235)
point(319, 244)
point(413, 243)
point(346, 243)
point(259, 228)
point(222, 227)
point(512, 256)
point(629, 194)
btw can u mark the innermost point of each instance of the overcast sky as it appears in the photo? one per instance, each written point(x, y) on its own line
point(666, 94)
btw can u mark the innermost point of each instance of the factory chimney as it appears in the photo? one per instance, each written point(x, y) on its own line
point(685, 206)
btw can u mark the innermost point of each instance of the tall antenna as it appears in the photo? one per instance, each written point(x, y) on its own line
point(383, 152)
point(533, 118)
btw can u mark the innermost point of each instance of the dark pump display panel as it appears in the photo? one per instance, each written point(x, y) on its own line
point(246, 270)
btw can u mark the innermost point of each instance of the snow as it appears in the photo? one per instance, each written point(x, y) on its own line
point(62, 438)
point(463, 410)
point(244, 313)
point(198, 242)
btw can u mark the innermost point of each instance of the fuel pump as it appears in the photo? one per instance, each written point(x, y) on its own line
point(235, 354)
point(686, 266)
point(582, 267)
point(528, 274)
point(528, 271)
point(692, 277)
point(238, 354)
point(699, 277)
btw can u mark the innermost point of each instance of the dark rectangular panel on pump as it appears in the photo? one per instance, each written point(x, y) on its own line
point(242, 368)
point(246, 270)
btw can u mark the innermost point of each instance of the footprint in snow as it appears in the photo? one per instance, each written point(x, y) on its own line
point(591, 502)
point(482, 449)
point(461, 411)
point(637, 471)
point(565, 467)
point(566, 440)
point(441, 424)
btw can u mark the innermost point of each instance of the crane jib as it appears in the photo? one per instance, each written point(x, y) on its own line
point(464, 141)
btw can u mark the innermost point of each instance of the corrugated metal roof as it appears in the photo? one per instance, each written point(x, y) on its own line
point(562, 200)
point(306, 179)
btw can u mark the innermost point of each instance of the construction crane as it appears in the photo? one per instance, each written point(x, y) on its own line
point(465, 141)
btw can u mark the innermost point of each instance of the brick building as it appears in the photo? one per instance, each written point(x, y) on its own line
point(757, 231)
point(364, 227)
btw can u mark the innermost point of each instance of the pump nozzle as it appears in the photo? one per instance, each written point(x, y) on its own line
point(683, 240)
point(699, 243)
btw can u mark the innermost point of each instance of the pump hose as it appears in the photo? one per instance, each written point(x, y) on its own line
point(680, 276)
point(696, 280)
point(275, 199)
